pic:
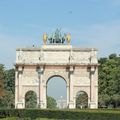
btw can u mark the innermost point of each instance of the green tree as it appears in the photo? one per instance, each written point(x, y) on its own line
point(30, 100)
point(7, 101)
point(82, 100)
point(109, 81)
point(51, 103)
point(10, 80)
point(112, 56)
point(2, 77)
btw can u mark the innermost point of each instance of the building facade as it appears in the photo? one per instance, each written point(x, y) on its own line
point(61, 104)
point(77, 66)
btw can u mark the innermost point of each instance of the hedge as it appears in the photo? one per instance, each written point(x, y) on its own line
point(105, 114)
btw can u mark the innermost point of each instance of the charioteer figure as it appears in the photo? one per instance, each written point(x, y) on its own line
point(57, 38)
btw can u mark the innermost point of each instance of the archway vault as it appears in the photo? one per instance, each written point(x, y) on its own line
point(56, 73)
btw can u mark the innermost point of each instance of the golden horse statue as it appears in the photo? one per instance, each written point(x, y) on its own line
point(68, 38)
point(44, 38)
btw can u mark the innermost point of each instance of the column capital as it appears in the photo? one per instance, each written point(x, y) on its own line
point(40, 70)
point(20, 69)
point(92, 69)
point(71, 69)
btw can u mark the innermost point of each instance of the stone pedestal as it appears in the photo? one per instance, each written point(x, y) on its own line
point(71, 105)
point(41, 105)
point(92, 105)
point(20, 105)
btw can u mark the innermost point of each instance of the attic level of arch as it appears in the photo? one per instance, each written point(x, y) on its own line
point(62, 55)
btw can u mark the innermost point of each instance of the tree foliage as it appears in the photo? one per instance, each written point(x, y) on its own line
point(109, 81)
point(7, 89)
point(10, 80)
point(81, 100)
point(8, 101)
point(2, 77)
point(30, 100)
point(51, 103)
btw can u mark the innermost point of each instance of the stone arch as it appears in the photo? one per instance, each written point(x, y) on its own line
point(30, 88)
point(48, 75)
point(82, 100)
point(62, 95)
point(61, 74)
point(85, 89)
point(30, 99)
point(26, 89)
point(55, 76)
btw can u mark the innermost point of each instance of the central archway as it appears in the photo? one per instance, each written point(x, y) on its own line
point(56, 92)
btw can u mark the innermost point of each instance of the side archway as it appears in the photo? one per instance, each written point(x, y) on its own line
point(30, 99)
point(81, 100)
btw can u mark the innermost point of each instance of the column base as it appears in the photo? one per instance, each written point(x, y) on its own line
point(71, 105)
point(93, 105)
point(42, 105)
point(19, 105)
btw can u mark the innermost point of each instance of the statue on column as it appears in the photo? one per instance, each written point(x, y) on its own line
point(44, 38)
point(68, 38)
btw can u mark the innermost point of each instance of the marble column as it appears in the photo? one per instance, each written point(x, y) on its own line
point(92, 88)
point(16, 88)
point(68, 94)
point(41, 92)
point(44, 96)
point(20, 103)
point(40, 75)
point(71, 88)
point(71, 102)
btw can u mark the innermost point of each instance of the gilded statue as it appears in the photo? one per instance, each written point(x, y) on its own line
point(68, 38)
point(57, 38)
point(44, 38)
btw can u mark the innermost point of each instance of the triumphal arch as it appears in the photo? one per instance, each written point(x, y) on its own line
point(56, 57)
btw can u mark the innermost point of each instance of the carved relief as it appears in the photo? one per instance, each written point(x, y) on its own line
point(93, 58)
point(41, 58)
point(20, 56)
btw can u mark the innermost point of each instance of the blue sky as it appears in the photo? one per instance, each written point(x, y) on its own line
point(92, 23)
